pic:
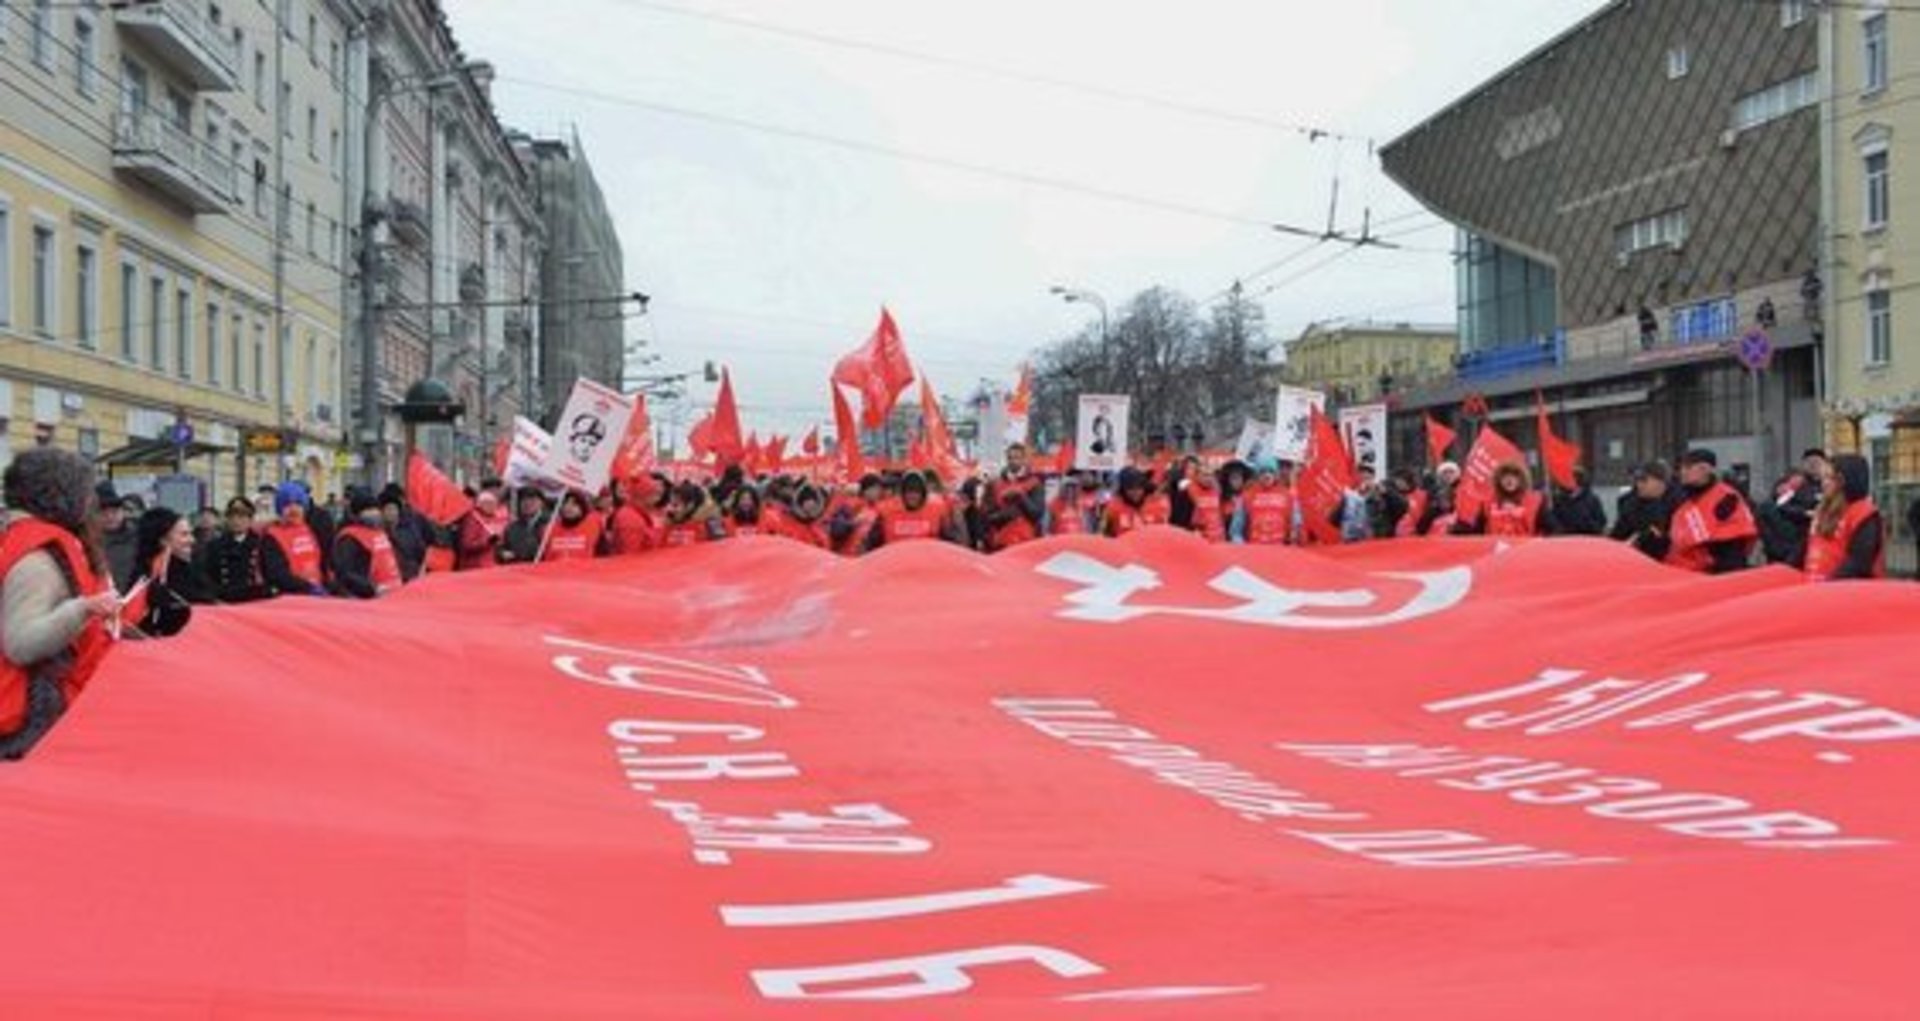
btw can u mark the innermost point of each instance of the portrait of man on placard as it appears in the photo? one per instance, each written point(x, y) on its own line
point(584, 436)
point(1102, 430)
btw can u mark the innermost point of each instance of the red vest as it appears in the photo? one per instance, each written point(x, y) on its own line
point(574, 542)
point(1158, 510)
point(1123, 518)
point(1825, 554)
point(684, 533)
point(1514, 520)
point(1695, 527)
point(1020, 529)
point(26, 535)
point(301, 549)
point(786, 526)
point(383, 567)
point(1269, 515)
point(489, 527)
point(1409, 524)
point(898, 524)
point(630, 531)
point(1207, 514)
point(1066, 519)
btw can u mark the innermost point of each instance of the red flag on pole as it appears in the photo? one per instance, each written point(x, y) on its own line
point(1490, 451)
point(848, 432)
point(1439, 440)
point(879, 369)
point(1560, 456)
point(635, 456)
point(432, 493)
point(775, 453)
point(811, 445)
point(502, 453)
point(939, 439)
point(1324, 481)
point(724, 437)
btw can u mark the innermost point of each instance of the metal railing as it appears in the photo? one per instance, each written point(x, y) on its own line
point(142, 134)
point(190, 20)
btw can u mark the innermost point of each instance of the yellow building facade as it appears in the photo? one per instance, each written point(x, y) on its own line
point(1350, 361)
point(1872, 299)
point(146, 292)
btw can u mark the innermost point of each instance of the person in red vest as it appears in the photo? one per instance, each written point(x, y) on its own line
point(1208, 515)
point(1713, 529)
point(745, 515)
point(631, 531)
point(364, 563)
point(1016, 503)
point(692, 518)
point(482, 530)
point(851, 518)
point(1269, 512)
point(576, 535)
point(292, 557)
point(913, 516)
point(56, 592)
point(804, 520)
point(1126, 512)
point(1846, 539)
point(1158, 508)
point(1067, 512)
point(1515, 511)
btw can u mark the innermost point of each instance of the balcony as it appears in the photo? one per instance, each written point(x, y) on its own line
point(179, 34)
point(409, 222)
point(158, 153)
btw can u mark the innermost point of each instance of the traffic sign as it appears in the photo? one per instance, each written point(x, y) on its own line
point(181, 434)
point(1756, 350)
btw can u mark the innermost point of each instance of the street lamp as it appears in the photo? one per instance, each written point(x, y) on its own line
point(1071, 295)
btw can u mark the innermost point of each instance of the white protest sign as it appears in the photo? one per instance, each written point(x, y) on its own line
point(1364, 428)
point(1293, 422)
point(1100, 439)
point(1256, 438)
point(587, 436)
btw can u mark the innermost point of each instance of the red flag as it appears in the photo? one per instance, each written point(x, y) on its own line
point(775, 453)
point(635, 456)
point(1324, 482)
point(879, 369)
point(939, 439)
point(1490, 451)
point(724, 435)
point(848, 433)
point(752, 458)
point(700, 437)
point(502, 453)
point(1439, 440)
point(432, 493)
point(1021, 402)
point(811, 445)
point(1560, 456)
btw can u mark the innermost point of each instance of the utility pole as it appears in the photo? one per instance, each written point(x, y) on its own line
point(373, 214)
point(283, 206)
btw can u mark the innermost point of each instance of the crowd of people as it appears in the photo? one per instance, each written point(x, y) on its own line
point(81, 565)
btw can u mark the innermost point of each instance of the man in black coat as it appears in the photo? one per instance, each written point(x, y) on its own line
point(1913, 528)
point(233, 561)
point(1577, 511)
point(1645, 512)
point(407, 529)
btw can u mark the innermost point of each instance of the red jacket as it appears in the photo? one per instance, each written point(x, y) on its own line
point(630, 531)
point(579, 541)
point(480, 536)
point(27, 535)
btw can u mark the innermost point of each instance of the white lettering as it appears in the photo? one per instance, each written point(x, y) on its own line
point(929, 975)
point(1019, 888)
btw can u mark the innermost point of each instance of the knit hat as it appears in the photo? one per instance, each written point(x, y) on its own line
point(360, 500)
point(290, 494)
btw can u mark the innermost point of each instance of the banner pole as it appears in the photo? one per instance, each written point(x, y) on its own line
point(547, 536)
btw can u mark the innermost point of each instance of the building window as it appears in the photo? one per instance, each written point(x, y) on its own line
point(259, 359)
point(86, 75)
point(236, 338)
point(1879, 328)
point(313, 220)
point(129, 311)
point(213, 344)
point(260, 81)
point(259, 183)
point(1792, 12)
point(1874, 55)
point(6, 268)
point(1877, 195)
point(157, 322)
point(313, 134)
point(86, 303)
point(44, 283)
point(334, 70)
point(42, 33)
point(333, 151)
point(183, 333)
point(1663, 230)
point(286, 109)
point(1775, 101)
point(1679, 62)
point(313, 33)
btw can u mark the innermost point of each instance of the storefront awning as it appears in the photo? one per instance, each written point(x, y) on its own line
point(156, 454)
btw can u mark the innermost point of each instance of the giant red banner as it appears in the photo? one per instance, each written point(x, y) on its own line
point(1084, 779)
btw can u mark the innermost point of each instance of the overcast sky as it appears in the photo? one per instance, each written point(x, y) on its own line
point(779, 170)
